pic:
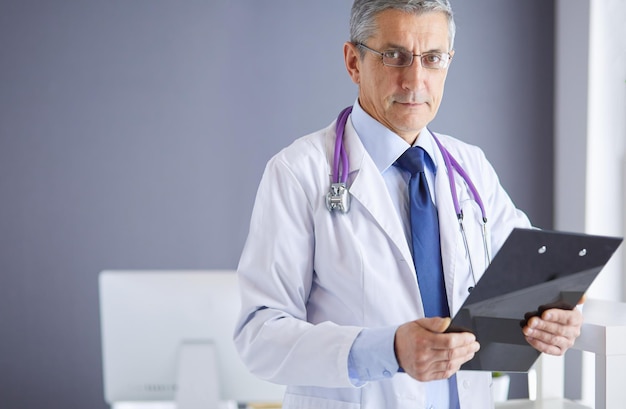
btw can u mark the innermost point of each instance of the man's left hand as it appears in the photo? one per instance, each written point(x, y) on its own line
point(554, 331)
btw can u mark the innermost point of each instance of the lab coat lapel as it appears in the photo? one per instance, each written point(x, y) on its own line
point(451, 249)
point(369, 189)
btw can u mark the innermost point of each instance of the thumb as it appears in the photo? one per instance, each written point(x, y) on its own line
point(436, 324)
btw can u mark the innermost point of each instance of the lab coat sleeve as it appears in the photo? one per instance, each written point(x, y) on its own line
point(273, 336)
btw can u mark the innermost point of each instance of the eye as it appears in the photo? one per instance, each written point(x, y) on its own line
point(432, 60)
point(397, 58)
point(392, 54)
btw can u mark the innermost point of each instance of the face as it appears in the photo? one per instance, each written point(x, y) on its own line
point(403, 99)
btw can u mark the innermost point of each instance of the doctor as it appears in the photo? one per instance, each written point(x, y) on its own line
point(331, 304)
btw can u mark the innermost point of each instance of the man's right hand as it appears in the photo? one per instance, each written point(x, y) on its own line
point(426, 353)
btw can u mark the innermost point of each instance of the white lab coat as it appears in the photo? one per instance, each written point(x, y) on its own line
point(311, 279)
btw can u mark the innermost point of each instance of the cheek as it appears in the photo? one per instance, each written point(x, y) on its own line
point(377, 93)
point(439, 86)
point(385, 89)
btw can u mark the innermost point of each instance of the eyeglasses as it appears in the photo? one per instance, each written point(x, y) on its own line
point(403, 58)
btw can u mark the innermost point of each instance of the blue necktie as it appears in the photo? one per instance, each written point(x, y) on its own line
point(426, 247)
point(425, 236)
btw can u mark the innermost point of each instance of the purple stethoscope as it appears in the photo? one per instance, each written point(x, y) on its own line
point(338, 198)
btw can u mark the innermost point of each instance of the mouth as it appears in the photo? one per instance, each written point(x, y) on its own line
point(412, 100)
point(412, 104)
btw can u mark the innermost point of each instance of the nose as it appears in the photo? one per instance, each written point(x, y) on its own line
point(414, 77)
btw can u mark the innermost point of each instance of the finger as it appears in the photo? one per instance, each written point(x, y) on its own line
point(461, 353)
point(439, 363)
point(441, 369)
point(435, 324)
point(441, 340)
point(455, 356)
point(563, 317)
point(552, 337)
point(562, 337)
point(547, 348)
point(547, 330)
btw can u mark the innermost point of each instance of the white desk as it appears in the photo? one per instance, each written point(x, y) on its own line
point(604, 334)
point(554, 403)
point(172, 405)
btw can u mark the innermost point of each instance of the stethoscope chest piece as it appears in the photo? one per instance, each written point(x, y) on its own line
point(338, 198)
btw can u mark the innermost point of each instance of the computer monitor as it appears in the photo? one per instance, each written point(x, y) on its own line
point(147, 316)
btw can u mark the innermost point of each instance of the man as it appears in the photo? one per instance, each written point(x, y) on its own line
point(332, 306)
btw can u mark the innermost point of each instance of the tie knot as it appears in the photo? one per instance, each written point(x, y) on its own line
point(412, 160)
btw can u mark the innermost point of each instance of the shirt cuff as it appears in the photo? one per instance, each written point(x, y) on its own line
point(372, 356)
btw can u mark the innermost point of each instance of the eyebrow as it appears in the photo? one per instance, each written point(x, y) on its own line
point(392, 46)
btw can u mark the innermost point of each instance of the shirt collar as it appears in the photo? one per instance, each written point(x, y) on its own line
point(385, 146)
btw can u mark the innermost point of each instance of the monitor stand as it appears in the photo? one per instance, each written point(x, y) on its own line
point(197, 380)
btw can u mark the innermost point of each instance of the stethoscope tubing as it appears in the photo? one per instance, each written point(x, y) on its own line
point(340, 151)
point(341, 163)
point(451, 163)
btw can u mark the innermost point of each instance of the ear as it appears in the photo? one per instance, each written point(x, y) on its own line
point(352, 58)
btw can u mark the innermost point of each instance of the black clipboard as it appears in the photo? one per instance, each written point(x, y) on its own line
point(533, 271)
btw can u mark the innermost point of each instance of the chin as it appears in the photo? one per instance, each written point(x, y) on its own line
point(411, 127)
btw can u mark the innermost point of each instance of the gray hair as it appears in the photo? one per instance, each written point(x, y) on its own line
point(364, 12)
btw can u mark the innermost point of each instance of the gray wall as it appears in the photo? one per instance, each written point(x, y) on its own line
point(133, 135)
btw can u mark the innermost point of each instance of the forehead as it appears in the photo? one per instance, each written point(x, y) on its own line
point(396, 27)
